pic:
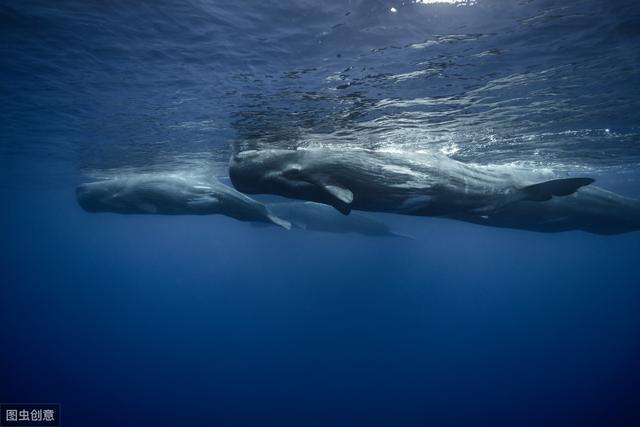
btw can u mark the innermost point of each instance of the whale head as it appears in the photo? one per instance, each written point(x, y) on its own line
point(267, 171)
point(289, 173)
point(100, 196)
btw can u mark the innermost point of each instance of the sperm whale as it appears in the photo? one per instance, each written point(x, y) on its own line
point(433, 185)
point(172, 194)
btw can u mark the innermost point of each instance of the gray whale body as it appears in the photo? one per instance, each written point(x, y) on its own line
point(433, 185)
point(172, 194)
point(591, 209)
point(320, 217)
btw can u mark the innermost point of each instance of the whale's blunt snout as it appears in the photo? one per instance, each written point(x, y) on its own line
point(82, 197)
point(88, 197)
point(245, 172)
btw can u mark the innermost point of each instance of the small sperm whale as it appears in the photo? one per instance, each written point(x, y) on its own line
point(433, 185)
point(319, 217)
point(172, 194)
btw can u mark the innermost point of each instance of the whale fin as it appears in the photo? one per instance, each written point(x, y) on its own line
point(557, 187)
point(340, 198)
point(540, 192)
point(402, 236)
point(279, 221)
point(343, 208)
point(343, 194)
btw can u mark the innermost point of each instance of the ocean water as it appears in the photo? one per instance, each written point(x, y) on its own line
point(207, 321)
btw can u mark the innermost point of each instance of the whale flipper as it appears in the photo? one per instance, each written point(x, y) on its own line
point(557, 187)
point(337, 196)
point(340, 198)
point(279, 221)
point(343, 194)
point(403, 236)
point(343, 208)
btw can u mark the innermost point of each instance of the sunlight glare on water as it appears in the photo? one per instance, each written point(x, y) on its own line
point(537, 82)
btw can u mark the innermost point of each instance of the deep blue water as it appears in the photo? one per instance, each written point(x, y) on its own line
point(149, 320)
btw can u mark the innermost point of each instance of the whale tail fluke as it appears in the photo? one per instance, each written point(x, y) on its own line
point(557, 187)
point(540, 192)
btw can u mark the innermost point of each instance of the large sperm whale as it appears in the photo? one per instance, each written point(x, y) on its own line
point(172, 194)
point(433, 185)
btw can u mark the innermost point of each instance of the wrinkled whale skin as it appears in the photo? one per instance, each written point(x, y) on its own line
point(167, 194)
point(434, 185)
point(591, 209)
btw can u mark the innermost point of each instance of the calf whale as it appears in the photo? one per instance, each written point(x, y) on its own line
point(433, 185)
point(172, 194)
point(319, 217)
